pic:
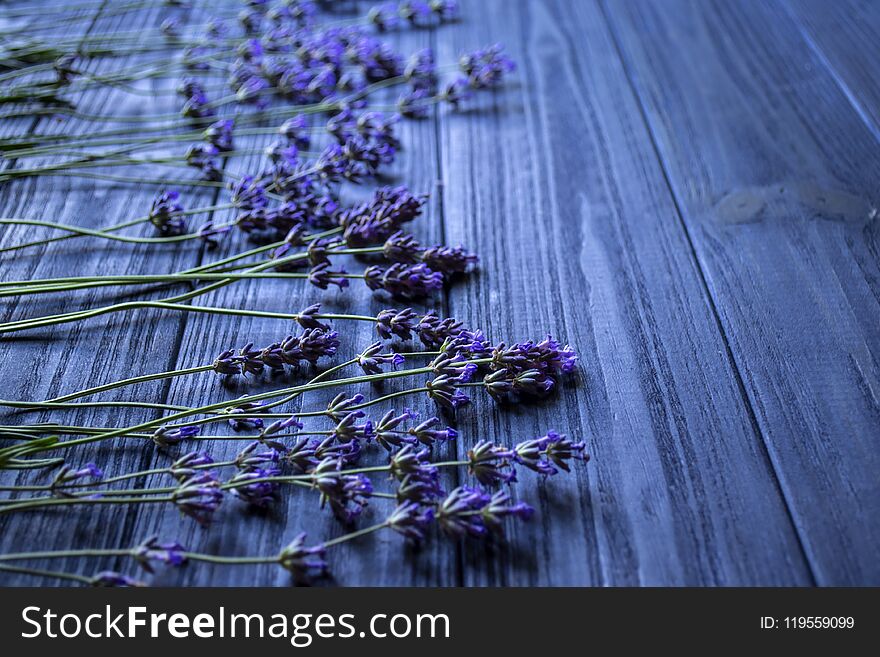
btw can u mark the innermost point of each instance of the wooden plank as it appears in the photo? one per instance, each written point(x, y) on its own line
point(377, 560)
point(843, 36)
point(775, 176)
point(45, 363)
point(555, 180)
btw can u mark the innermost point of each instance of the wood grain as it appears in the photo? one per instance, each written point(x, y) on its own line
point(774, 174)
point(678, 192)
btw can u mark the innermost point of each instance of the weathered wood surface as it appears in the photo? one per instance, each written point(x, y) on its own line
point(677, 191)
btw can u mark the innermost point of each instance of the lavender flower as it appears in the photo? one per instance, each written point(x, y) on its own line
point(443, 391)
point(427, 435)
point(199, 496)
point(151, 549)
point(347, 429)
point(321, 276)
point(391, 322)
point(412, 461)
point(306, 318)
point(404, 281)
point(249, 194)
point(219, 134)
point(209, 233)
point(541, 454)
point(402, 247)
point(501, 506)
point(165, 214)
point(490, 463)
point(250, 458)
point(449, 259)
point(347, 495)
point(189, 464)
point(384, 17)
point(203, 156)
point(419, 489)
point(167, 435)
point(68, 475)
point(343, 453)
point(433, 331)
point(302, 561)
point(302, 454)
point(296, 130)
point(458, 515)
point(341, 406)
point(371, 359)
point(249, 487)
point(421, 71)
point(108, 578)
point(414, 104)
point(282, 425)
point(411, 520)
point(486, 67)
point(387, 434)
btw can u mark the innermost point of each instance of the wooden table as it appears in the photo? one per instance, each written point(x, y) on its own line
point(685, 192)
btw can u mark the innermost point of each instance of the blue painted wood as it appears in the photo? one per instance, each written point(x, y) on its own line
point(775, 175)
point(675, 190)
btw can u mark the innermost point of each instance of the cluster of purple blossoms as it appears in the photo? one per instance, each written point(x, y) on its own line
point(109, 578)
point(167, 436)
point(547, 453)
point(404, 248)
point(418, 13)
point(371, 359)
point(69, 475)
point(374, 221)
point(165, 214)
point(152, 550)
point(404, 281)
point(220, 135)
point(189, 464)
point(347, 495)
point(197, 106)
point(256, 465)
point(199, 496)
point(311, 345)
point(303, 562)
point(528, 369)
point(470, 511)
point(203, 156)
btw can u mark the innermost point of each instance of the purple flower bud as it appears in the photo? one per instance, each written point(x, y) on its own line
point(301, 561)
point(433, 332)
point(347, 429)
point(282, 425)
point(427, 435)
point(411, 520)
point(371, 359)
point(247, 486)
point(458, 514)
point(249, 458)
point(410, 460)
point(302, 454)
point(209, 233)
point(248, 194)
point(339, 407)
point(490, 463)
point(396, 322)
point(443, 391)
point(199, 496)
point(501, 506)
point(306, 318)
point(448, 259)
point(219, 134)
point(165, 214)
point(203, 156)
point(188, 464)
point(404, 281)
point(402, 247)
point(347, 495)
point(68, 475)
point(322, 277)
point(486, 67)
point(167, 435)
point(109, 578)
point(228, 362)
point(296, 130)
point(152, 550)
point(387, 434)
